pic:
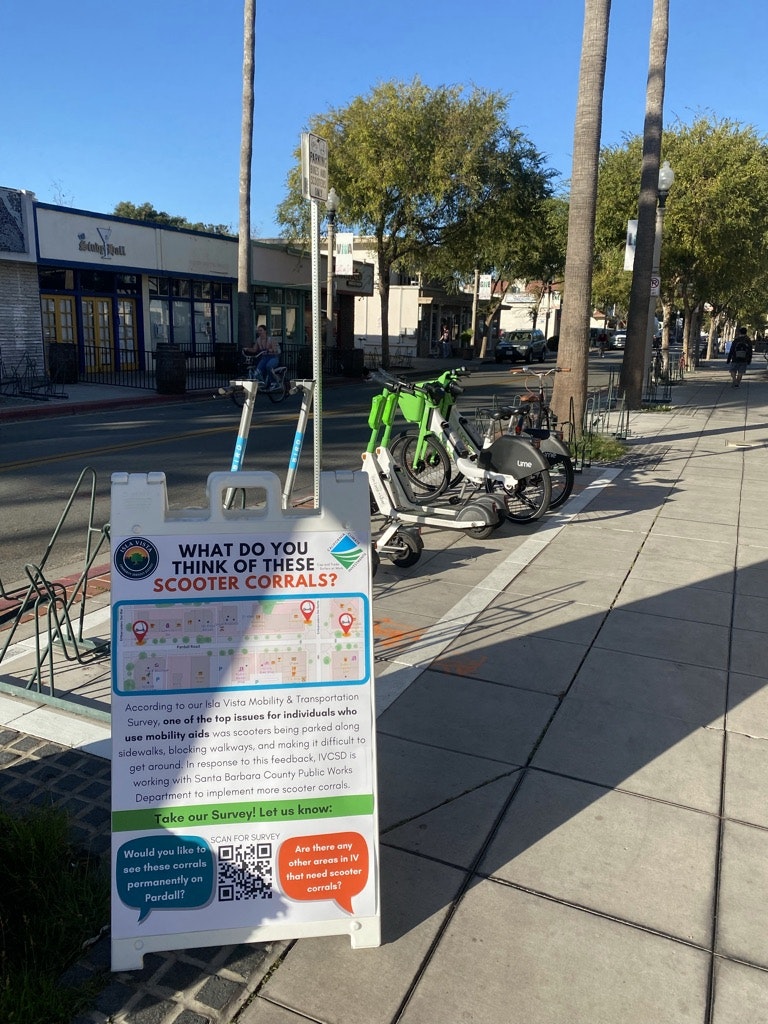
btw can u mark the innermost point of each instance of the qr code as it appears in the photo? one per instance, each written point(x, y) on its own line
point(245, 872)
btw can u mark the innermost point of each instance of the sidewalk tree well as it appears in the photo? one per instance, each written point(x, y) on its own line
point(418, 170)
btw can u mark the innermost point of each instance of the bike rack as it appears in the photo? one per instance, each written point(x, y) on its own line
point(658, 386)
point(50, 601)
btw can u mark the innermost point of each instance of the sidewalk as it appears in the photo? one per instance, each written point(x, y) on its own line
point(572, 740)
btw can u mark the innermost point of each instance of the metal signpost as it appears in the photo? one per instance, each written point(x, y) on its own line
point(314, 186)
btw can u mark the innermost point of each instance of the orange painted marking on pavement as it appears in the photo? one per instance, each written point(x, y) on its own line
point(461, 665)
point(389, 633)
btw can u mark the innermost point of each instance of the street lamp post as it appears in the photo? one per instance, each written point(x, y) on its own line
point(332, 205)
point(666, 178)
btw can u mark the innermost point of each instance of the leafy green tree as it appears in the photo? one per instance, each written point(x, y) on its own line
point(423, 172)
point(147, 212)
point(714, 255)
point(716, 224)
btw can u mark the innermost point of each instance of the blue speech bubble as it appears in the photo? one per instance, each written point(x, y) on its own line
point(164, 873)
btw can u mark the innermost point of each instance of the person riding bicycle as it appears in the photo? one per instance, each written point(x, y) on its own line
point(267, 352)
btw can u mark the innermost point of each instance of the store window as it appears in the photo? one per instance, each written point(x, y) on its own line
point(281, 310)
point(181, 312)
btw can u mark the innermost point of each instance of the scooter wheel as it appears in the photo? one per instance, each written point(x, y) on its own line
point(410, 547)
point(495, 508)
point(375, 560)
point(478, 510)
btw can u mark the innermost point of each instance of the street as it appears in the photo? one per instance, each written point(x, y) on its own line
point(44, 458)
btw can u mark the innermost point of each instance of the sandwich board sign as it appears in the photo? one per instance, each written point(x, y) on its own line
point(243, 723)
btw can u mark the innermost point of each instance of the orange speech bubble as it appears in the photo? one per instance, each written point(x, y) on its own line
point(325, 867)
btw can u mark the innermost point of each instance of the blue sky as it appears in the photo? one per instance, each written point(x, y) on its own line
point(105, 101)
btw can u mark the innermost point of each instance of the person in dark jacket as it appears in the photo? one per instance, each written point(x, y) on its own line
point(739, 356)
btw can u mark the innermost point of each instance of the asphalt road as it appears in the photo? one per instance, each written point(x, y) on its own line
point(49, 463)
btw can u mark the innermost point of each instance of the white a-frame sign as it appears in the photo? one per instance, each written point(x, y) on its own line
point(243, 740)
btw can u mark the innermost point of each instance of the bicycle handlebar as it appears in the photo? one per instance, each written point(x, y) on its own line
point(542, 373)
point(432, 389)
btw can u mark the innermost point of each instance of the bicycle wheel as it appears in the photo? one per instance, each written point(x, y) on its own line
point(528, 500)
point(280, 393)
point(561, 475)
point(427, 474)
point(238, 397)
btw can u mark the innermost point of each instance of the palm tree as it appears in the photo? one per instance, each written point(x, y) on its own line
point(573, 351)
point(244, 306)
point(640, 310)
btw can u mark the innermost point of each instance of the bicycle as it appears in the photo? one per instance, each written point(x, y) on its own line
point(540, 424)
point(276, 392)
point(506, 465)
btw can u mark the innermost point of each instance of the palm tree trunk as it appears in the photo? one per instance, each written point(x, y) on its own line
point(640, 309)
point(244, 304)
point(570, 390)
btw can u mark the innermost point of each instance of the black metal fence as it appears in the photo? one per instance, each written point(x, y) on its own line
point(176, 369)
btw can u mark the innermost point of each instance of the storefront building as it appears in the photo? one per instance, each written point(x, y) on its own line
point(98, 294)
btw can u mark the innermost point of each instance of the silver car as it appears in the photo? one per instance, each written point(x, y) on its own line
point(523, 345)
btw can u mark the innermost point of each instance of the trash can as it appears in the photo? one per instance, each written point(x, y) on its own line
point(353, 361)
point(62, 364)
point(170, 370)
point(225, 359)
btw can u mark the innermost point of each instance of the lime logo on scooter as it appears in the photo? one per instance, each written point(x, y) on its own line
point(347, 551)
point(136, 558)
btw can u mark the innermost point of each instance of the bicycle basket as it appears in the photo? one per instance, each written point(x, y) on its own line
point(411, 406)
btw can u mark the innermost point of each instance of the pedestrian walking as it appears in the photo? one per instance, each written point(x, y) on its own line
point(445, 342)
point(739, 356)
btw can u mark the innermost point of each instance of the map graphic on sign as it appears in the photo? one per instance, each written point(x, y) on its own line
point(189, 645)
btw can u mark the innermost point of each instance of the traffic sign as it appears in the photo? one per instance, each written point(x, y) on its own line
point(314, 166)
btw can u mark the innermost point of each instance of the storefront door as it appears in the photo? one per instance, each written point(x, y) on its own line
point(127, 342)
point(58, 314)
point(97, 334)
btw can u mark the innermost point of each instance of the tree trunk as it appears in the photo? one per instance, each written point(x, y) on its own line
point(385, 269)
point(570, 390)
point(640, 310)
point(244, 303)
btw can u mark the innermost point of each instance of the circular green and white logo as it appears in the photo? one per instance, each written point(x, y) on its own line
point(136, 558)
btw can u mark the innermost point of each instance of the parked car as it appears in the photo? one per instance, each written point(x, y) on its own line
point(523, 345)
point(617, 340)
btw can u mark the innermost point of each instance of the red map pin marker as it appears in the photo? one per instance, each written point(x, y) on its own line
point(140, 629)
point(345, 621)
point(307, 609)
